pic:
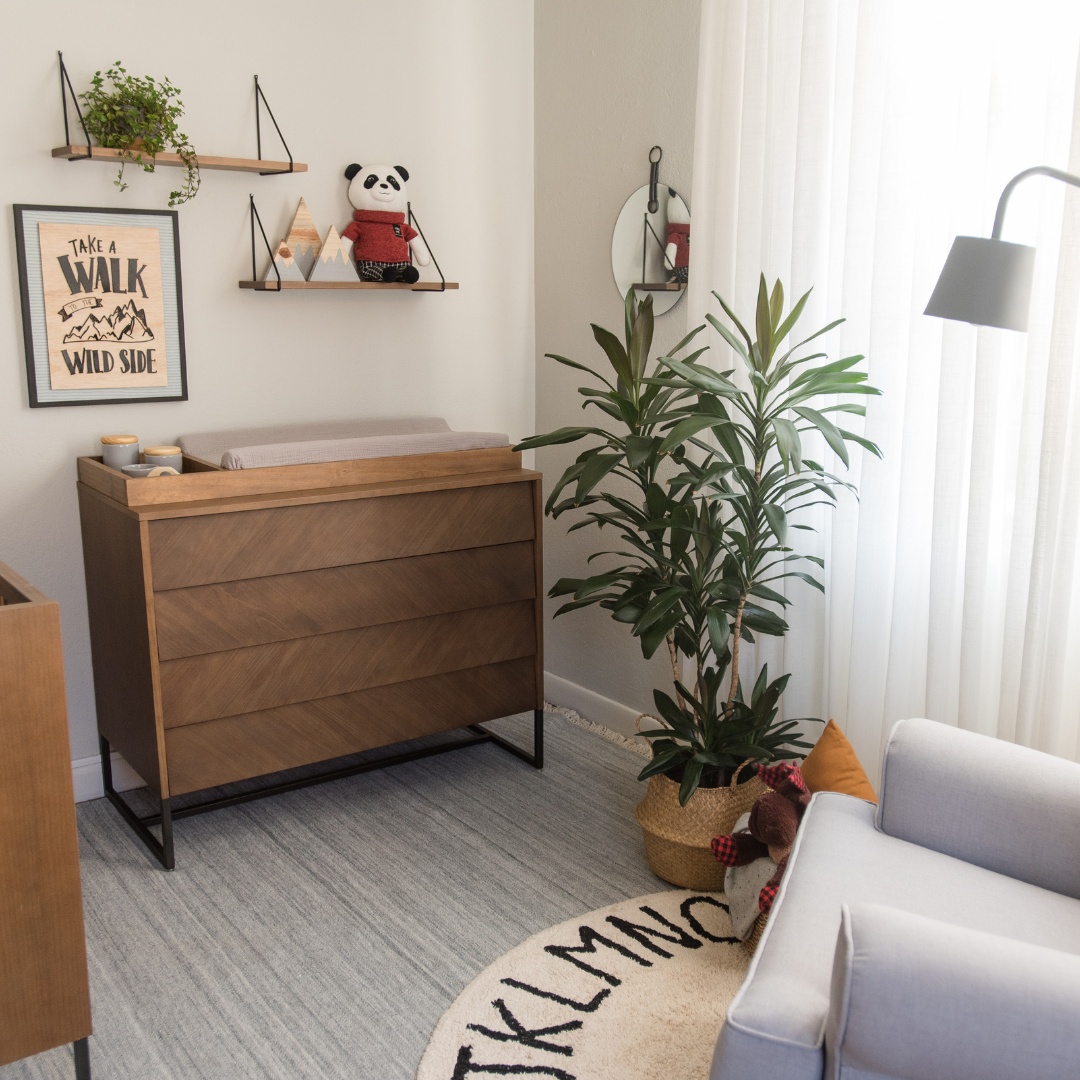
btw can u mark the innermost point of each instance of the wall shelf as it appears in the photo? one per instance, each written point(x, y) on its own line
point(229, 164)
point(418, 286)
point(660, 286)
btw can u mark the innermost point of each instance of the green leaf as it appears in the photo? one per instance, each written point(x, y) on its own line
point(661, 603)
point(788, 443)
point(719, 631)
point(574, 364)
point(827, 428)
point(560, 435)
point(564, 586)
point(594, 470)
point(691, 779)
point(777, 519)
point(866, 444)
point(785, 327)
point(616, 354)
point(764, 324)
point(690, 426)
point(638, 450)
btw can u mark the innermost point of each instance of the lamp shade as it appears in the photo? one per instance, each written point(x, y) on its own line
point(986, 282)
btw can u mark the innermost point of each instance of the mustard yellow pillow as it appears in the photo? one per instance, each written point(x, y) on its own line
point(833, 766)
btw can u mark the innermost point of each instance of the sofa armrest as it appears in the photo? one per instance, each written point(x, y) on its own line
point(992, 803)
point(916, 998)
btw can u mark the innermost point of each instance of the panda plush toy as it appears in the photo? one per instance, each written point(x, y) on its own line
point(381, 238)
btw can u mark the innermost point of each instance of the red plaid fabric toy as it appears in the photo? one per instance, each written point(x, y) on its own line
point(774, 821)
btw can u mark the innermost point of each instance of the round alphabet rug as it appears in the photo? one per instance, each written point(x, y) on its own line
point(634, 991)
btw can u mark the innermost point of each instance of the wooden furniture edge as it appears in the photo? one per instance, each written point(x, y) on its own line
point(538, 599)
point(155, 660)
point(226, 483)
point(19, 585)
point(74, 152)
point(313, 495)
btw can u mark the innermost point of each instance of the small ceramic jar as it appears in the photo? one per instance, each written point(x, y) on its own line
point(164, 455)
point(119, 450)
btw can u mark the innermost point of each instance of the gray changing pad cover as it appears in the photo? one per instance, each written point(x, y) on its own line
point(334, 440)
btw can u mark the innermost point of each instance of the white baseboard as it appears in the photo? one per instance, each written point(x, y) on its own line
point(86, 772)
point(591, 705)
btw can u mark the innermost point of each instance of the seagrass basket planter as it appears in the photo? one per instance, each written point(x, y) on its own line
point(678, 839)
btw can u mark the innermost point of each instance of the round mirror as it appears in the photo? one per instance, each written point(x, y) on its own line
point(650, 251)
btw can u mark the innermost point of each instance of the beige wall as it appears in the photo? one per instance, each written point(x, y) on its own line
point(611, 80)
point(444, 89)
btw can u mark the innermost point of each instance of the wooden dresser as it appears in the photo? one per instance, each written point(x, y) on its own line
point(248, 622)
point(44, 993)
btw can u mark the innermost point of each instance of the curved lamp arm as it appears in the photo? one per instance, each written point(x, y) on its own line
point(1038, 170)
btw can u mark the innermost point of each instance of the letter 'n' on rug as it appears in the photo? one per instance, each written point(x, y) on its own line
point(634, 991)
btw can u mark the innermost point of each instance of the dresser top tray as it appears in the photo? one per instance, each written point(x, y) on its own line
point(206, 488)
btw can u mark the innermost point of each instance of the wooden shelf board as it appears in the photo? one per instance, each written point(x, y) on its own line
point(419, 286)
point(660, 286)
point(228, 164)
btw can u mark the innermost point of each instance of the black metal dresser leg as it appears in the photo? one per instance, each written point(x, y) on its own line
point(82, 1059)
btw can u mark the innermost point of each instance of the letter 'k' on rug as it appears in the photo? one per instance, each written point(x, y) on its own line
point(634, 991)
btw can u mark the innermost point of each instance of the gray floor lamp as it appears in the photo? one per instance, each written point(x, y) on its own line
point(988, 282)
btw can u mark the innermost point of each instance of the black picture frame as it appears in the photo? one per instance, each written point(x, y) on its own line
point(40, 392)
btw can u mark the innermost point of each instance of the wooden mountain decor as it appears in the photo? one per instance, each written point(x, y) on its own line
point(286, 265)
point(333, 262)
point(303, 239)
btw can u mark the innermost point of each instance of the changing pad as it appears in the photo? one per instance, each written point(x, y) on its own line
point(335, 440)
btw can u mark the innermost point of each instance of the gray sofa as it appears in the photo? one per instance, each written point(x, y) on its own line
point(937, 938)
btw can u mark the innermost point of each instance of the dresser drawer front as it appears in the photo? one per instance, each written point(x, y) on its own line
point(254, 744)
point(287, 539)
point(255, 611)
point(199, 688)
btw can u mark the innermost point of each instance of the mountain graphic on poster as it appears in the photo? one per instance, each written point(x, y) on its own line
point(127, 323)
point(333, 263)
point(303, 239)
point(286, 264)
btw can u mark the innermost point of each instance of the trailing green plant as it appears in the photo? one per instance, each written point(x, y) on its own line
point(138, 116)
point(699, 549)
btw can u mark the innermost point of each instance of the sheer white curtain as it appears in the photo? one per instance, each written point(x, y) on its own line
point(843, 144)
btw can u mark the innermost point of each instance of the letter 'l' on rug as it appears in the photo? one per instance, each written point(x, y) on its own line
point(634, 991)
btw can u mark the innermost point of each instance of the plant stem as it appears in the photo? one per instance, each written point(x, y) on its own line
point(736, 635)
point(674, 653)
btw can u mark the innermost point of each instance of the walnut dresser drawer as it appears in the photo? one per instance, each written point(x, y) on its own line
point(201, 550)
point(256, 611)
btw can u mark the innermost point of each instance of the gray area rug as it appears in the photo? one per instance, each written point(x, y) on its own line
point(323, 933)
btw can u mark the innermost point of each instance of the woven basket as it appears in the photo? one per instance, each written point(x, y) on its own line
point(678, 840)
point(751, 943)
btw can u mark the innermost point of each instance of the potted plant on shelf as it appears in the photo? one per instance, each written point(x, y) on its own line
point(699, 552)
point(138, 117)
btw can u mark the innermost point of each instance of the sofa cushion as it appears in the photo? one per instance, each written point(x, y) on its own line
point(775, 1024)
point(833, 766)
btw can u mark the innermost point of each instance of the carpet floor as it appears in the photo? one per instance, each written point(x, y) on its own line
point(322, 933)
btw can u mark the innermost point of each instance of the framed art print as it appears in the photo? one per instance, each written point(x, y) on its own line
point(102, 307)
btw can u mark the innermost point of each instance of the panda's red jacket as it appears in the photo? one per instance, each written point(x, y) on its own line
point(379, 236)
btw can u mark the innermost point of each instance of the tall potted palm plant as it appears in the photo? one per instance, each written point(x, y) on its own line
point(692, 574)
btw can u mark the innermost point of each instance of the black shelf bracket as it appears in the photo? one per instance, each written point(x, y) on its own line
point(65, 89)
point(413, 221)
point(258, 132)
point(273, 262)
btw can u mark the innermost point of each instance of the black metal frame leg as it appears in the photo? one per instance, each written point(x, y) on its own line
point(82, 1059)
point(162, 849)
point(536, 758)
